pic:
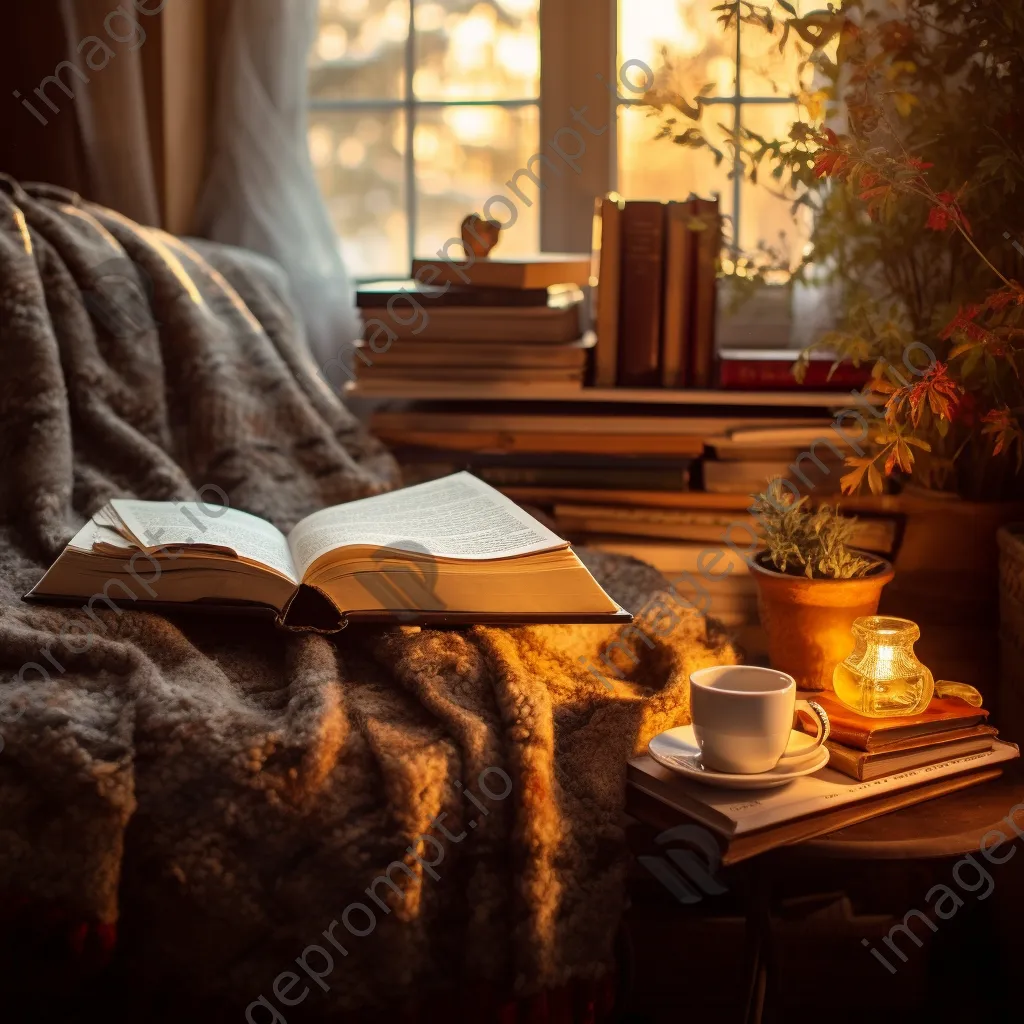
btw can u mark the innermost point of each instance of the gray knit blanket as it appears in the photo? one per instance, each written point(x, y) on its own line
point(359, 820)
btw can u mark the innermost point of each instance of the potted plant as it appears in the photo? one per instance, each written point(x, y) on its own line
point(908, 150)
point(811, 585)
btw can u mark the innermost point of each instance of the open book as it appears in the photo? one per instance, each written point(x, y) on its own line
point(451, 551)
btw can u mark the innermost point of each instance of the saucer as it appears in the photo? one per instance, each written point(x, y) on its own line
point(677, 750)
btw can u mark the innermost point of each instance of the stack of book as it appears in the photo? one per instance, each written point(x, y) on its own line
point(656, 265)
point(747, 823)
point(506, 324)
point(661, 322)
point(550, 451)
point(628, 458)
point(743, 459)
point(873, 748)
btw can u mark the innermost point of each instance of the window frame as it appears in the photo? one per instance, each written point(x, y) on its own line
point(578, 60)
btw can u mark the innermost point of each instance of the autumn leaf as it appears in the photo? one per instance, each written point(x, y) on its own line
point(851, 482)
point(830, 164)
point(876, 198)
point(1002, 426)
point(895, 35)
point(898, 68)
point(947, 212)
point(904, 102)
point(964, 323)
point(938, 219)
point(815, 103)
point(1004, 297)
point(941, 392)
point(832, 159)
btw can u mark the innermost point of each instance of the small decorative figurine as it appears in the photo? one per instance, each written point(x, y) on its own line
point(479, 236)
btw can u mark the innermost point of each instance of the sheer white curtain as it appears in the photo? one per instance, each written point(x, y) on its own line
point(261, 191)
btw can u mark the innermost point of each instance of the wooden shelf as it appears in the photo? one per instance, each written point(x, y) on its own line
point(617, 396)
point(888, 503)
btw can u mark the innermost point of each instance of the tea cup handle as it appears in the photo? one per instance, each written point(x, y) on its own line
point(819, 716)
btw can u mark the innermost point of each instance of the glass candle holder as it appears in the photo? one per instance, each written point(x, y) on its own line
point(882, 677)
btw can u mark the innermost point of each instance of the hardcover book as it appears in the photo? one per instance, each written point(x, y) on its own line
point(606, 276)
point(378, 294)
point(708, 244)
point(448, 552)
point(877, 734)
point(752, 821)
point(557, 322)
point(676, 327)
point(531, 272)
point(643, 236)
point(772, 370)
point(912, 753)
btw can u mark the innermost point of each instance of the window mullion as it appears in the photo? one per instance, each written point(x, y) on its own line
point(737, 167)
point(411, 204)
point(577, 43)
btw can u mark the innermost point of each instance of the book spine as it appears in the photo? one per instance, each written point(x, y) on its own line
point(584, 477)
point(677, 302)
point(643, 239)
point(707, 246)
point(777, 375)
point(608, 274)
point(454, 298)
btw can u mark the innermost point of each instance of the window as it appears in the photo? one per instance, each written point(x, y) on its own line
point(422, 109)
point(419, 112)
point(751, 85)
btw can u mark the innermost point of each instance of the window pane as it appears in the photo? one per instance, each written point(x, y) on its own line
point(358, 159)
point(764, 71)
point(470, 50)
point(765, 214)
point(700, 50)
point(465, 155)
point(359, 52)
point(661, 169)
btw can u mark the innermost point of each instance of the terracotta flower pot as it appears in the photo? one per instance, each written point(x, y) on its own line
point(808, 621)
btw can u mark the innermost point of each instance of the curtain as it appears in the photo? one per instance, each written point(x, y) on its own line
point(112, 112)
point(77, 114)
point(261, 191)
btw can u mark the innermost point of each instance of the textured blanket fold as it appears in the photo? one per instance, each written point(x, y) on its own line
point(382, 815)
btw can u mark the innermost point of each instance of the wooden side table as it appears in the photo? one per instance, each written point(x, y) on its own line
point(946, 827)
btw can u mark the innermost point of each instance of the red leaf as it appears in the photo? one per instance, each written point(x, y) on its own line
point(938, 219)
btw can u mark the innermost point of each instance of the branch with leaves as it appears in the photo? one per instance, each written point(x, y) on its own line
point(911, 155)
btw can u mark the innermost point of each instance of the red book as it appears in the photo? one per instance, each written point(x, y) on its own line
point(772, 370)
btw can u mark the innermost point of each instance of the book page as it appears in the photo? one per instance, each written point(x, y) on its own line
point(158, 524)
point(97, 532)
point(457, 516)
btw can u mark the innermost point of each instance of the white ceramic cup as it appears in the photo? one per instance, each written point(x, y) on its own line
point(743, 716)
